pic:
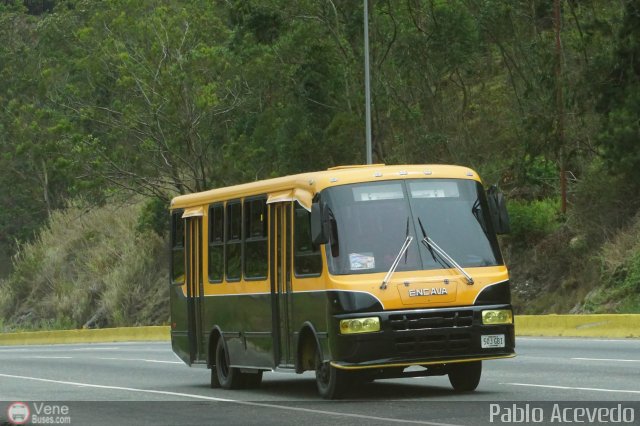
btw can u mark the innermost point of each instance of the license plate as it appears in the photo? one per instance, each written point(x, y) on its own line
point(492, 341)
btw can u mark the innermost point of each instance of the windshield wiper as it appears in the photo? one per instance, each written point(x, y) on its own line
point(394, 265)
point(433, 255)
point(432, 246)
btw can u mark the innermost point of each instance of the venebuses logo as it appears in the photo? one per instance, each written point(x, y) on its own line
point(18, 413)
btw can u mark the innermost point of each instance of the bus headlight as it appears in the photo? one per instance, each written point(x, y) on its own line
point(359, 325)
point(498, 316)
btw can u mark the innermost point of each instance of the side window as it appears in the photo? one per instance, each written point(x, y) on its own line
point(255, 248)
point(216, 243)
point(177, 247)
point(233, 241)
point(307, 259)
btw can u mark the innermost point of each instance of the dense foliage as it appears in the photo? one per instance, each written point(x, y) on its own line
point(101, 100)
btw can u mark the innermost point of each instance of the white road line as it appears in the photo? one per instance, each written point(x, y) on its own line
point(573, 388)
point(42, 349)
point(104, 358)
point(580, 339)
point(211, 398)
point(104, 348)
point(607, 359)
point(46, 357)
point(140, 359)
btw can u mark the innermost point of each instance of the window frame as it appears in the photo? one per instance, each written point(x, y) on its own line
point(318, 250)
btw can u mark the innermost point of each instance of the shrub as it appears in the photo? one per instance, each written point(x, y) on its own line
point(532, 220)
point(154, 216)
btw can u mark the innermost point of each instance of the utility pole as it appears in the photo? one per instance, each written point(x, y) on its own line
point(367, 84)
point(560, 108)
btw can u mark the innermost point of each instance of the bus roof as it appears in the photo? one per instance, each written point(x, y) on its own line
point(305, 185)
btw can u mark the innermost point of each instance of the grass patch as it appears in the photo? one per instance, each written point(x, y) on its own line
point(88, 268)
point(620, 261)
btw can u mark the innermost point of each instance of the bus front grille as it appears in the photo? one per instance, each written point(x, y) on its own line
point(431, 320)
point(430, 344)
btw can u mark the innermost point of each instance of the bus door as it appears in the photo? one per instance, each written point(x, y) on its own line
point(280, 250)
point(195, 287)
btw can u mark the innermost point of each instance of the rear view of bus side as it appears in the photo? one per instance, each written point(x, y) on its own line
point(355, 272)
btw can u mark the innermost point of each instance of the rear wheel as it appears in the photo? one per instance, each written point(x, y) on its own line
point(465, 376)
point(228, 377)
point(331, 381)
point(215, 383)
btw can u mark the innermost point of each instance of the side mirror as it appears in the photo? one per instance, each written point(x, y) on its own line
point(318, 230)
point(498, 210)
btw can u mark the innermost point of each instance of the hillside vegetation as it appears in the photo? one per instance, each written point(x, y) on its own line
point(124, 104)
point(88, 268)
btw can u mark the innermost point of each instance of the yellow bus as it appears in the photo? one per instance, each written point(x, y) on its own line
point(356, 272)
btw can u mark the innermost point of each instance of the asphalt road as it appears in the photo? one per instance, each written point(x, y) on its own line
point(144, 383)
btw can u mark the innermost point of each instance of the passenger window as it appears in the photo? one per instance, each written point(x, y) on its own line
point(255, 249)
point(177, 247)
point(216, 243)
point(307, 258)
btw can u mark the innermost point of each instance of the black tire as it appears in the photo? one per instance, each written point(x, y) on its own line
point(228, 377)
point(215, 382)
point(252, 380)
point(465, 376)
point(330, 381)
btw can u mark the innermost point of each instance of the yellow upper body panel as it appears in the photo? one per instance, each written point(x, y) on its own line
point(422, 288)
point(306, 185)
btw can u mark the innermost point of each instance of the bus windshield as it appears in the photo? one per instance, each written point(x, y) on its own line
point(374, 219)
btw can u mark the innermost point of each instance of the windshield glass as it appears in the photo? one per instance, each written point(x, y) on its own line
point(374, 219)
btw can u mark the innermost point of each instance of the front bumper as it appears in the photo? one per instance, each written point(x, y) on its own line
point(420, 337)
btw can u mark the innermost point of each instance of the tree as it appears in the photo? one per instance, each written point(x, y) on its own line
point(620, 99)
point(38, 173)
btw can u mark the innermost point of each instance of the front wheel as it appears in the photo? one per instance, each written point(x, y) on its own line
point(228, 377)
point(215, 382)
point(465, 376)
point(331, 381)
